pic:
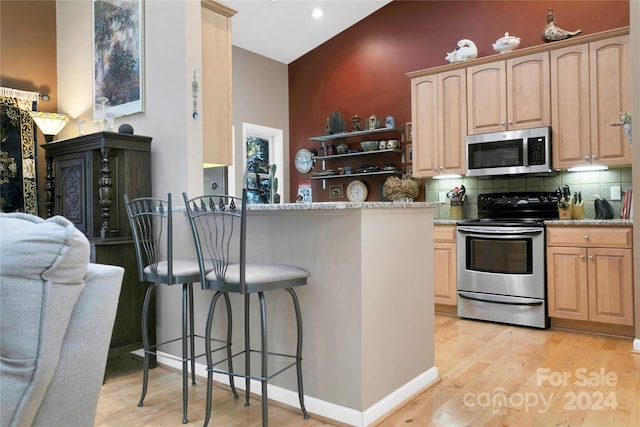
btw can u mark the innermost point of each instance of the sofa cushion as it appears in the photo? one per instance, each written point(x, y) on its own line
point(42, 268)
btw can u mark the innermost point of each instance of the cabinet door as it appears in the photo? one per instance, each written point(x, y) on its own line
point(445, 277)
point(73, 189)
point(424, 118)
point(570, 121)
point(567, 293)
point(486, 98)
point(216, 83)
point(610, 286)
point(452, 120)
point(610, 95)
point(528, 92)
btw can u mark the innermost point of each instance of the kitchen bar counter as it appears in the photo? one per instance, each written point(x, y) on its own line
point(367, 310)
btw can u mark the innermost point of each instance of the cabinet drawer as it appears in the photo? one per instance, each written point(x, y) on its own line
point(606, 237)
point(444, 233)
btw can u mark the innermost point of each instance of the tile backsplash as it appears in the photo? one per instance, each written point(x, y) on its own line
point(589, 183)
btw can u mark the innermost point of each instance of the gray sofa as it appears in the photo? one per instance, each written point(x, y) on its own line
point(56, 317)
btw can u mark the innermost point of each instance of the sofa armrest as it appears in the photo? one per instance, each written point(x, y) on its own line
point(72, 396)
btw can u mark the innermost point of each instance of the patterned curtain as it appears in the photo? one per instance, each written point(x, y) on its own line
point(18, 191)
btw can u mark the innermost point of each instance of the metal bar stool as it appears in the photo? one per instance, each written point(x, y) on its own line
point(219, 228)
point(151, 221)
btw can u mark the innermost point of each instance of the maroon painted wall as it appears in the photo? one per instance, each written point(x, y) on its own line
point(362, 70)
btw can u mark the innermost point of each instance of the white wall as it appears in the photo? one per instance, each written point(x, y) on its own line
point(171, 54)
point(260, 104)
point(172, 46)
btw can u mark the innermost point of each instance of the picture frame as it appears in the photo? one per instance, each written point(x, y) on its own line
point(118, 52)
point(408, 131)
point(408, 155)
point(336, 192)
point(304, 191)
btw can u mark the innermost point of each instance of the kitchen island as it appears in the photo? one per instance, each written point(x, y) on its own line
point(367, 310)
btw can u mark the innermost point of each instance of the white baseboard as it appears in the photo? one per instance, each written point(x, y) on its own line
point(320, 407)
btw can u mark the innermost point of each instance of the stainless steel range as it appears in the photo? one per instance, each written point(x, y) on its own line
point(501, 259)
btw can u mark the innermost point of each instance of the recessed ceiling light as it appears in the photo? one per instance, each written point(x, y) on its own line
point(317, 13)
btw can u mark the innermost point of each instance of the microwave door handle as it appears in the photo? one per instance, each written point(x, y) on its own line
point(498, 232)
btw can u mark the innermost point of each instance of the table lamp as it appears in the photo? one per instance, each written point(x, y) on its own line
point(49, 123)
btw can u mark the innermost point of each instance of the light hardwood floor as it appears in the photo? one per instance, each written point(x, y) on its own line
point(491, 375)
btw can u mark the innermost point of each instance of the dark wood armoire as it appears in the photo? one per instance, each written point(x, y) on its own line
point(86, 180)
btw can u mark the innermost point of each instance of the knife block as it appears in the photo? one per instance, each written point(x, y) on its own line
point(565, 213)
point(577, 211)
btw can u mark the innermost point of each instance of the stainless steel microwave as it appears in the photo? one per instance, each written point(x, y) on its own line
point(509, 152)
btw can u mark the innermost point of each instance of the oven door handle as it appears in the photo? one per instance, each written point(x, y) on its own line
point(499, 299)
point(498, 231)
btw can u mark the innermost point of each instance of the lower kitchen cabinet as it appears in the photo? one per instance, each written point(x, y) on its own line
point(445, 277)
point(590, 274)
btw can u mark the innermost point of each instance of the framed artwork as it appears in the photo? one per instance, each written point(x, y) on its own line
point(335, 191)
point(304, 191)
point(408, 131)
point(117, 58)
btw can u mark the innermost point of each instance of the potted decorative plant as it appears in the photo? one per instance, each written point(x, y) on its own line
point(400, 190)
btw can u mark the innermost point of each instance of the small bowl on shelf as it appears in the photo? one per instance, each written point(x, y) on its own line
point(369, 145)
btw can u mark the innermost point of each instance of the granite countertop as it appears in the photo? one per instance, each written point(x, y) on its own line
point(589, 221)
point(340, 206)
point(586, 221)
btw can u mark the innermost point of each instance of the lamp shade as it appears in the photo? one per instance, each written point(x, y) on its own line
point(49, 123)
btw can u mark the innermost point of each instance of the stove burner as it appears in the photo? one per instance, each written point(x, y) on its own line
point(515, 208)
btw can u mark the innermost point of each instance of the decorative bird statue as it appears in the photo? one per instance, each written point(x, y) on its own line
point(552, 33)
point(466, 50)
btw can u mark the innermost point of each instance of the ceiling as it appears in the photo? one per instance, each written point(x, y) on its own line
point(284, 30)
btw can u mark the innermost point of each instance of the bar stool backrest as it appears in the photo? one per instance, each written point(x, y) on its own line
point(152, 227)
point(218, 223)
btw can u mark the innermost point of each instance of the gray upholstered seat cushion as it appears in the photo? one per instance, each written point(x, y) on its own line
point(261, 277)
point(42, 266)
point(185, 270)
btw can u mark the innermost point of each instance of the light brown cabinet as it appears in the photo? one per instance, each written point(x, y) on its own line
point(590, 274)
point(216, 83)
point(438, 115)
point(590, 87)
point(509, 94)
point(445, 277)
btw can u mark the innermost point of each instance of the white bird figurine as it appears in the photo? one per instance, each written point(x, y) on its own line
point(552, 33)
point(466, 50)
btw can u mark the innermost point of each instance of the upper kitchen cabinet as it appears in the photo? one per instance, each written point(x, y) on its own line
point(438, 115)
point(509, 94)
point(216, 83)
point(590, 87)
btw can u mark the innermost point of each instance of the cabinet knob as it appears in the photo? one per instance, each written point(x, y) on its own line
point(502, 123)
point(594, 157)
point(510, 122)
point(591, 257)
point(586, 237)
point(586, 158)
point(581, 256)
